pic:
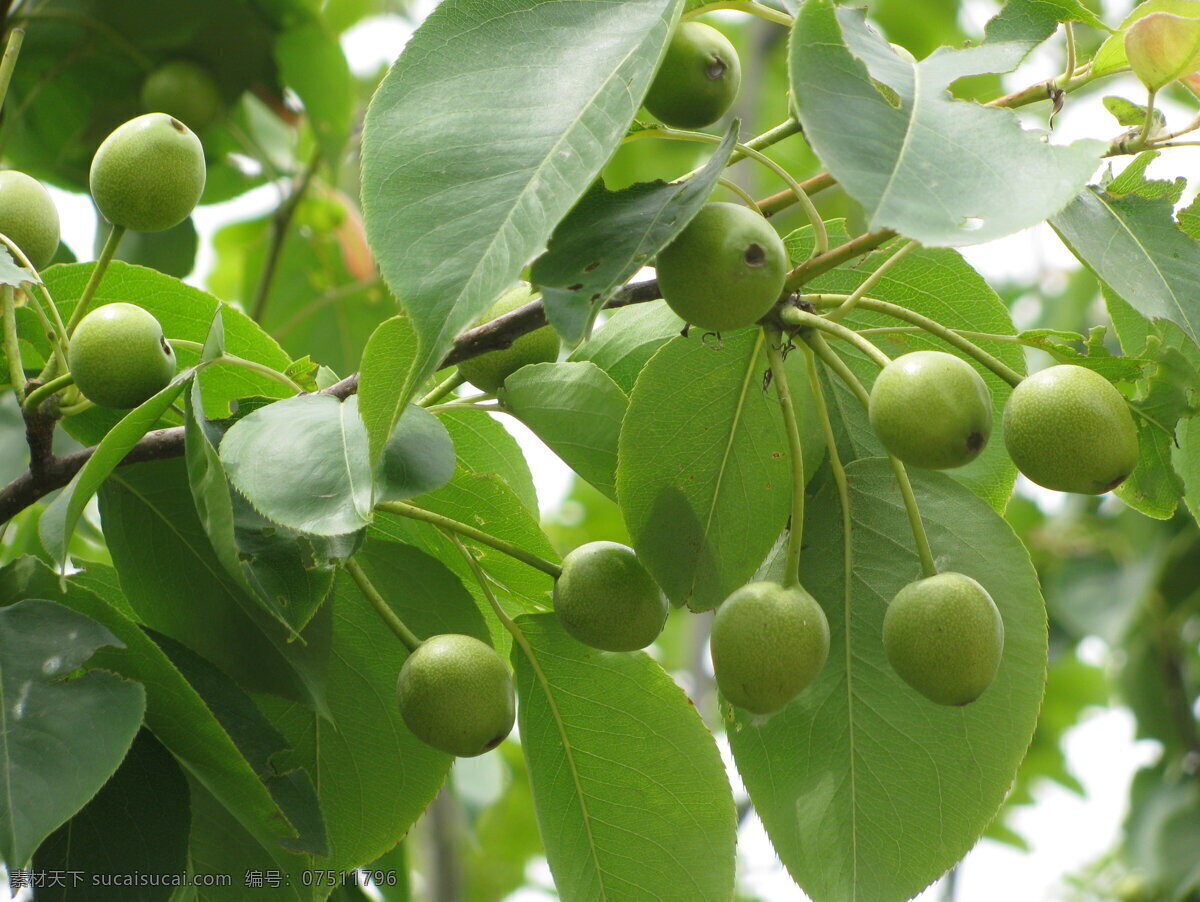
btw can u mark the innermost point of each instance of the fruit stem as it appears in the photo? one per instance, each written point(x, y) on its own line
point(950, 336)
point(511, 549)
point(794, 316)
point(42, 392)
point(838, 314)
point(482, 579)
point(12, 347)
point(822, 263)
point(774, 343)
point(57, 331)
point(745, 6)
point(280, 223)
point(443, 388)
point(746, 197)
point(920, 538)
point(403, 633)
point(1070, 33)
point(12, 50)
point(820, 235)
point(89, 290)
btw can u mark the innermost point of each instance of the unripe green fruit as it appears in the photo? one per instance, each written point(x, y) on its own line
point(698, 80)
point(1067, 428)
point(725, 270)
point(768, 644)
point(488, 371)
point(148, 175)
point(456, 694)
point(943, 635)
point(185, 90)
point(28, 216)
point(605, 598)
point(119, 357)
point(931, 409)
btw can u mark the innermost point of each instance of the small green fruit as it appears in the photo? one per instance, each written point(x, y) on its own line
point(456, 694)
point(698, 80)
point(119, 357)
point(931, 409)
point(724, 270)
point(1067, 428)
point(185, 90)
point(768, 644)
point(943, 635)
point(28, 216)
point(148, 175)
point(488, 371)
point(605, 598)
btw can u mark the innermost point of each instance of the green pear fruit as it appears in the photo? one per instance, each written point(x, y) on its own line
point(28, 216)
point(725, 270)
point(698, 79)
point(768, 644)
point(931, 409)
point(185, 90)
point(1067, 428)
point(456, 694)
point(148, 175)
point(605, 598)
point(488, 371)
point(943, 635)
point(119, 357)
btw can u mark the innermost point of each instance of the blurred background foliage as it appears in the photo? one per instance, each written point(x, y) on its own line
point(286, 244)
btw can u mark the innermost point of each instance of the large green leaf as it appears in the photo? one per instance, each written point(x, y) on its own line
point(386, 362)
point(1111, 54)
point(631, 794)
point(176, 584)
point(485, 447)
point(418, 458)
point(364, 752)
point(610, 235)
point(1032, 21)
point(1133, 244)
point(453, 214)
point(576, 409)
point(60, 738)
point(703, 478)
point(849, 777)
point(628, 339)
point(137, 823)
point(932, 168)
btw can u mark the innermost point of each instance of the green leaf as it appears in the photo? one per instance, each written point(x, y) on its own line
point(1032, 21)
point(60, 518)
point(61, 738)
point(364, 752)
point(703, 478)
point(418, 458)
point(630, 337)
point(171, 252)
point(610, 235)
point(932, 168)
point(303, 462)
point(1111, 54)
point(1135, 247)
point(576, 409)
point(848, 777)
point(1131, 114)
point(1162, 47)
point(939, 284)
point(386, 362)
point(313, 65)
point(485, 447)
point(1185, 458)
point(430, 152)
point(174, 711)
point(137, 823)
point(631, 795)
point(175, 583)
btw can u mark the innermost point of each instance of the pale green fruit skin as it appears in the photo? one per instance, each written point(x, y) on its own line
point(148, 175)
point(725, 270)
point(28, 216)
point(456, 694)
point(768, 644)
point(605, 598)
point(698, 80)
point(1068, 429)
point(488, 371)
point(931, 409)
point(185, 90)
point(944, 636)
point(119, 357)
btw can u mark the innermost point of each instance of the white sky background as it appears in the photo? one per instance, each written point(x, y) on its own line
point(1066, 832)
